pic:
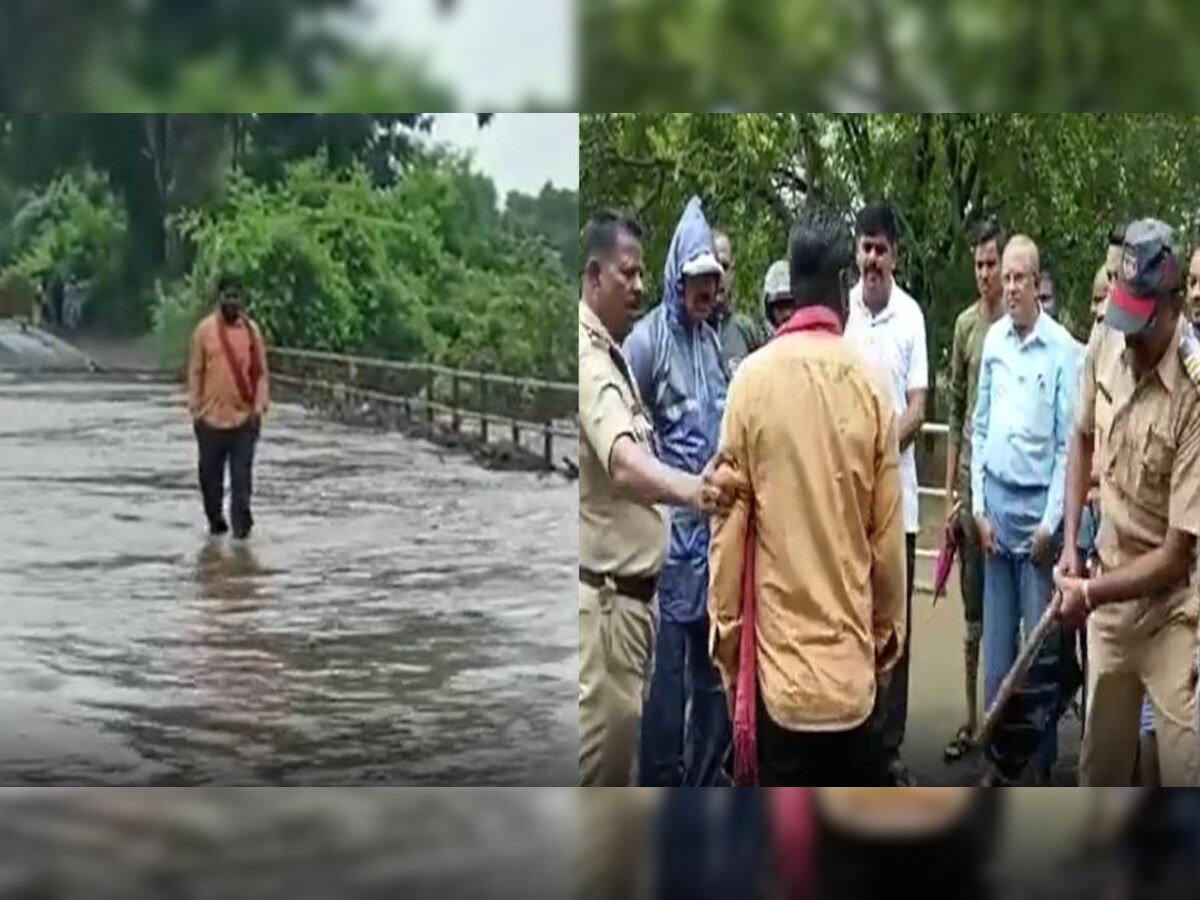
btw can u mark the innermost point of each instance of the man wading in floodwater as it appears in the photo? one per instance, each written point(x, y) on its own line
point(227, 398)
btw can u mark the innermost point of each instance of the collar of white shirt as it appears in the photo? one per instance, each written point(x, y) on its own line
point(889, 309)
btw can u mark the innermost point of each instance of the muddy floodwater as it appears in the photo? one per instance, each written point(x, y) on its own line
point(400, 614)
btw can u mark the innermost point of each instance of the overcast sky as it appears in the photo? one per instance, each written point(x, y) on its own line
point(496, 54)
point(520, 151)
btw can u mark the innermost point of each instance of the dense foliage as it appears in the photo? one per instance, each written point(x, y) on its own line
point(202, 55)
point(880, 55)
point(423, 269)
point(74, 226)
point(1063, 179)
point(350, 231)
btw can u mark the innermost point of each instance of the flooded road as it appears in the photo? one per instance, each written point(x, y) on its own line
point(399, 616)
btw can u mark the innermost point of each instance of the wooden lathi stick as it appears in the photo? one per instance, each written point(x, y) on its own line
point(1019, 669)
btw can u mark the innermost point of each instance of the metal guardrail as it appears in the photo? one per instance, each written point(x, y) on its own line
point(432, 368)
point(416, 392)
point(942, 430)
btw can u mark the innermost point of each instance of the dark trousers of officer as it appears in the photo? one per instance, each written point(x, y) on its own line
point(233, 447)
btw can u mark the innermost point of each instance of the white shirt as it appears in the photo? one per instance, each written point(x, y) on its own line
point(895, 339)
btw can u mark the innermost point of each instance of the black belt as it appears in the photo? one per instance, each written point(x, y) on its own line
point(637, 587)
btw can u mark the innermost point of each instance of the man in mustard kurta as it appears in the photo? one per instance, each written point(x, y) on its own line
point(228, 395)
point(810, 437)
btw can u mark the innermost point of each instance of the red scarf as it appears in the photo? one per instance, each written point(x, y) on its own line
point(247, 387)
point(812, 318)
point(818, 319)
point(792, 829)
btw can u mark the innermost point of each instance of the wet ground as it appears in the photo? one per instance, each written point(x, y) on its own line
point(937, 693)
point(449, 843)
point(399, 616)
point(290, 844)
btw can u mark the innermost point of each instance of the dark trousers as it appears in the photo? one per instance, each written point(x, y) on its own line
point(954, 864)
point(819, 758)
point(235, 447)
point(685, 726)
point(893, 705)
point(712, 844)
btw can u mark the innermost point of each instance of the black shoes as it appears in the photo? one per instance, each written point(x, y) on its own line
point(218, 528)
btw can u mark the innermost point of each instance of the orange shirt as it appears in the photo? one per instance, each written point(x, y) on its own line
point(212, 390)
point(812, 435)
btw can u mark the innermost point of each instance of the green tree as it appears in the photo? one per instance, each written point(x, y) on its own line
point(422, 269)
point(163, 163)
point(1064, 180)
point(554, 215)
point(74, 228)
point(885, 55)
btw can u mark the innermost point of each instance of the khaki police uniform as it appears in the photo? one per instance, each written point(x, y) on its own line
point(1147, 451)
point(622, 546)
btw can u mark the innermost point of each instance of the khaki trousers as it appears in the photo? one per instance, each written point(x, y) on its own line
point(613, 853)
point(616, 635)
point(1124, 665)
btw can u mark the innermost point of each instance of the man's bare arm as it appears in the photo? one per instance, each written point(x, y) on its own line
point(957, 409)
point(639, 475)
point(1148, 575)
point(912, 418)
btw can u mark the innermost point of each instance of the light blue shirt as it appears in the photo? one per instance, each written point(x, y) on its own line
point(1024, 410)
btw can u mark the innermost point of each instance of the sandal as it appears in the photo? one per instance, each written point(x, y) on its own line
point(963, 743)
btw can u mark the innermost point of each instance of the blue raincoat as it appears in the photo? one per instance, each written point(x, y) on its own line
point(683, 380)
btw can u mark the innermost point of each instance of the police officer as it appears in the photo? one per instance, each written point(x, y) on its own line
point(1139, 414)
point(622, 532)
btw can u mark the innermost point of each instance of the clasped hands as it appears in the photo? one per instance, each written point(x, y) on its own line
point(719, 485)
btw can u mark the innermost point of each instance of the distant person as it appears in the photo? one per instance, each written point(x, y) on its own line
point(1046, 294)
point(966, 355)
point(57, 299)
point(1112, 255)
point(227, 398)
point(41, 304)
point(1193, 288)
point(1099, 296)
point(888, 325)
point(737, 333)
